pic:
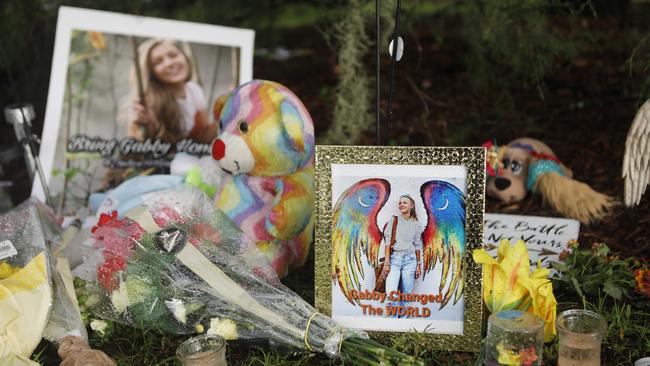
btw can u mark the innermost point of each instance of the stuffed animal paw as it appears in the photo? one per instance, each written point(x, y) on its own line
point(266, 146)
point(74, 351)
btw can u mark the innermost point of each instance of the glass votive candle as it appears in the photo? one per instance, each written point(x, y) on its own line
point(514, 338)
point(203, 350)
point(581, 333)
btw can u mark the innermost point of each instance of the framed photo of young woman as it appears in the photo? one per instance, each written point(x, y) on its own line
point(128, 92)
point(394, 235)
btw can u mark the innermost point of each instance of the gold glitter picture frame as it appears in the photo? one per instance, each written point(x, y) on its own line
point(359, 194)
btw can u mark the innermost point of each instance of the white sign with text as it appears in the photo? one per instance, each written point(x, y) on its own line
point(545, 237)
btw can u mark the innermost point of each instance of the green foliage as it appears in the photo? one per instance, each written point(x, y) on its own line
point(639, 64)
point(628, 332)
point(266, 357)
point(511, 43)
point(131, 346)
point(66, 173)
point(591, 273)
point(352, 105)
point(605, 284)
point(414, 344)
point(361, 351)
point(509, 46)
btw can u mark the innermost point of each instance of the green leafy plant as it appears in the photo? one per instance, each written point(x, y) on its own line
point(639, 64)
point(605, 284)
point(352, 102)
point(591, 273)
point(512, 42)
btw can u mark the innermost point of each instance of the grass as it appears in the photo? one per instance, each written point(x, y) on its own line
point(260, 356)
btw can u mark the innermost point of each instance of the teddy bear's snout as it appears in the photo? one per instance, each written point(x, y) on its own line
point(218, 149)
point(502, 183)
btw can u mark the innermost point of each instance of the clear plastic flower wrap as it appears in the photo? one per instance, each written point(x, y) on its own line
point(177, 264)
point(33, 298)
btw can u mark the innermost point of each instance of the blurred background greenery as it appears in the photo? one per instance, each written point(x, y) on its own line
point(501, 51)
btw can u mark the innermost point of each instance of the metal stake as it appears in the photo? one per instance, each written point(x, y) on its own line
point(20, 116)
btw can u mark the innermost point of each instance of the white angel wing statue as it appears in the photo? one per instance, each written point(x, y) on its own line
point(636, 161)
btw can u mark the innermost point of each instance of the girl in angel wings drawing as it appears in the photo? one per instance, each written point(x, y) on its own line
point(402, 259)
point(356, 239)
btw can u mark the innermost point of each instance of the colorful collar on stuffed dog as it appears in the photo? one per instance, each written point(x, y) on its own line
point(539, 168)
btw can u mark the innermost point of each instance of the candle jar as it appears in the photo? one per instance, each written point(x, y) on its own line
point(581, 333)
point(203, 350)
point(514, 338)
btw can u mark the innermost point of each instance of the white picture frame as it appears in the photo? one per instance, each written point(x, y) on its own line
point(71, 20)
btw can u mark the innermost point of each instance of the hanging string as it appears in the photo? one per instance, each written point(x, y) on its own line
point(391, 85)
point(377, 79)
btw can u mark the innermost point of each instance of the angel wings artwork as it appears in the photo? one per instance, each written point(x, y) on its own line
point(636, 161)
point(361, 222)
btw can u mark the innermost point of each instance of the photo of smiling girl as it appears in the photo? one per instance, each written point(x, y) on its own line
point(174, 105)
point(128, 93)
point(387, 220)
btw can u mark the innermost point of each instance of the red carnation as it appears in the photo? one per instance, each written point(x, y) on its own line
point(104, 220)
point(106, 273)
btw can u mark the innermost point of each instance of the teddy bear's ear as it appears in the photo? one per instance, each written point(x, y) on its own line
point(297, 124)
point(219, 104)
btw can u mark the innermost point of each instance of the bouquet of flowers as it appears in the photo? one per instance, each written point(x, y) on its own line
point(35, 298)
point(178, 265)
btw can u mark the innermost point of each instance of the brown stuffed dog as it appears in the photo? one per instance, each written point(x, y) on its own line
point(526, 164)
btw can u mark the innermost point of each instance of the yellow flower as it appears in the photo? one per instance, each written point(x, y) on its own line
point(6, 270)
point(508, 284)
point(507, 357)
point(501, 288)
point(544, 304)
point(223, 327)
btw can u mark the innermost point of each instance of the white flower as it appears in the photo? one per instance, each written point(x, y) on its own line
point(177, 308)
point(99, 326)
point(225, 328)
point(120, 298)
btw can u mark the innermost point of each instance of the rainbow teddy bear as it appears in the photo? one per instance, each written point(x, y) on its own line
point(266, 146)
